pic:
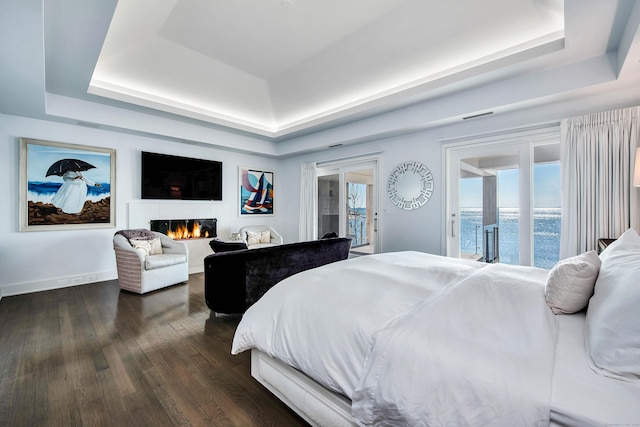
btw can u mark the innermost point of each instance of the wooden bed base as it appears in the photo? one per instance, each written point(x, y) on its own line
point(317, 405)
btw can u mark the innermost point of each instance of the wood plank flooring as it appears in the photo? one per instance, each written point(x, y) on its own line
point(96, 356)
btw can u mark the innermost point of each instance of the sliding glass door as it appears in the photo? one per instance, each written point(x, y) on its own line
point(503, 200)
point(347, 204)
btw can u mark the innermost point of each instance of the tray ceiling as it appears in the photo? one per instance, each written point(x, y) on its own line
point(273, 68)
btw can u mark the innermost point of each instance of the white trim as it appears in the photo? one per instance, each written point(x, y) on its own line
point(57, 283)
point(350, 160)
point(546, 131)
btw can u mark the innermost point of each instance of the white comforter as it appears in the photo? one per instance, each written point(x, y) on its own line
point(322, 321)
point(415, 339)
point(479, 353)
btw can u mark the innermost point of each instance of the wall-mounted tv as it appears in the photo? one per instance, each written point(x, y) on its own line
point(183, 178)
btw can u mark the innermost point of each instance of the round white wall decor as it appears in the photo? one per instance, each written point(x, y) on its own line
point(410, 185)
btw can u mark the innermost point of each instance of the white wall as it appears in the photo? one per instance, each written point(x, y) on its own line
point(36, 260)
point(423, 229)
point(40, 260)
point(417, 230)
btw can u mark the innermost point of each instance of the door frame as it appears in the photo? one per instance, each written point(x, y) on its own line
point(342, 166)
point(521, 143)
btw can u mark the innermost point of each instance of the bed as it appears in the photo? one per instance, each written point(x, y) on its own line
point(415, 339)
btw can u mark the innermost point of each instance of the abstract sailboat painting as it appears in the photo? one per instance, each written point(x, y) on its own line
point(256, 192)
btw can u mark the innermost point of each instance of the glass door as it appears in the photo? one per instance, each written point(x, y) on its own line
point(360, 212)
point(328, 204)
point(489, 208)
point(547, 212)
point(347, 204)
point(503, 201)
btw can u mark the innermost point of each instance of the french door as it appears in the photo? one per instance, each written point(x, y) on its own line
point(347, 203)
point(503, 200)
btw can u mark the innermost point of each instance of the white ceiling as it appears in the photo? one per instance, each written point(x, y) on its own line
point(256, 77)
point(273, 67)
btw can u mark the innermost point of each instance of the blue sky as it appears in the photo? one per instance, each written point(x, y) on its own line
point(546, 188)
point(40, 157)
point(361, 197)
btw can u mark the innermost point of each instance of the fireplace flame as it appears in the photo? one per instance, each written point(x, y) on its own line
point(182, 232)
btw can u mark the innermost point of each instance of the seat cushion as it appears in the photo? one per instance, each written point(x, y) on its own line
point(163, 260)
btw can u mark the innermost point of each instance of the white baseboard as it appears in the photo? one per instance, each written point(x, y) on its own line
point(61, 282)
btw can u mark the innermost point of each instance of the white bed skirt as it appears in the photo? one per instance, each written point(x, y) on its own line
point(317, 405)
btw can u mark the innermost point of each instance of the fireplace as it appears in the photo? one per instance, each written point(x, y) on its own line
point(183, 229)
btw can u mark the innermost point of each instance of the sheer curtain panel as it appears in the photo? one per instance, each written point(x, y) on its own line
point(308, 203)
point(598, 199)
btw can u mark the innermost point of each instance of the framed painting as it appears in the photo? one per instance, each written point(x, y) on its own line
point(256, 192)
point(66, 186)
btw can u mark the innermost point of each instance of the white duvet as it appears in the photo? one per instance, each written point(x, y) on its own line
point(415, 339)
point(322, 321)
point(476, 354)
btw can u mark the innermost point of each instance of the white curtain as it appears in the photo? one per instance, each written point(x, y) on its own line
point(598, 199)
point(308, 229)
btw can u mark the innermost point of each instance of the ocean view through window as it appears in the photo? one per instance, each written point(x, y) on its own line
point(546, 234)
point(546, 215)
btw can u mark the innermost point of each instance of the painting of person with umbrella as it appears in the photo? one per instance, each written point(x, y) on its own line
point(65, 186)
point(71, 196)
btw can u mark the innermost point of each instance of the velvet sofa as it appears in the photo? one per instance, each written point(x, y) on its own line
point(235, 280)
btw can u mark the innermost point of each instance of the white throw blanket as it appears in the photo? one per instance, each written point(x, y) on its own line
point(479, 353)
point(322, 321)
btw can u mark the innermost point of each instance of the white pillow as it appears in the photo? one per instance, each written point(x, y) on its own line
point(253, 238)
point(147, 247)
point(265, 236)
point(612, 328)
point(570, 283)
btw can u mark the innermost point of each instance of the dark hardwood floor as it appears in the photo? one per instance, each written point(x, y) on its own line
point(93, 355)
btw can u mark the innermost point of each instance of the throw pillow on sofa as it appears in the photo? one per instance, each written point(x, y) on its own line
point(255, 238)
point(265, 236)
point(147, 247)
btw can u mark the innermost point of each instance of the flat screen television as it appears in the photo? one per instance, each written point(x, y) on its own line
point(183, 178)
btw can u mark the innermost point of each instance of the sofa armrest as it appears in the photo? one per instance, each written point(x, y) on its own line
point(124, 249)
point(275, 237)
point(225, 282)
point(170, 246)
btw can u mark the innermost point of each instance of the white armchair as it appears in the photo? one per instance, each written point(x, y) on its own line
point(260, 236)
point(144, 269)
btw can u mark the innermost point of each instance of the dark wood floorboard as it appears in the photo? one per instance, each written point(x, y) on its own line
point(94, 355)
